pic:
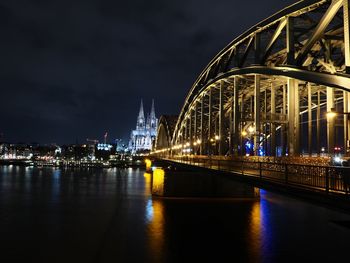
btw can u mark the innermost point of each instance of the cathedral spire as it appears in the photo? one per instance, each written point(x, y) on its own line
point(153, 113)
point(141, 114)
point(141, 118)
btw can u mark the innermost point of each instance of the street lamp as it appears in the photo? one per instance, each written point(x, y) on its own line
point(251, 129)
point(333, 113)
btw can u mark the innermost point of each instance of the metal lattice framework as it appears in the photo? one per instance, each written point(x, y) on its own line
point(272, 85)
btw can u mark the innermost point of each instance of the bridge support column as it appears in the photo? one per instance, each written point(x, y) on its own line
point(330, 121)
point(346, 23)
point(283, 126)
point(257, 114)
point(194, 139)
point(272, 123)
point(293, 117)
point(231, 135)
point(209, 142)
point(346, 106)
point(202, 126)
point(221, 128)
point(190, 135)
point(309, 123)
point(235, 118)
point(241, 111)
point(186, 131)
point(318, 123)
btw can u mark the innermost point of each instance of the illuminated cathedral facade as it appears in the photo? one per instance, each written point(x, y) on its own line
point(143, 136)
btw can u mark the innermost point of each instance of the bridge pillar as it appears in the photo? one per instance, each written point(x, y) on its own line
point(190, 129)
point(318, 123)
point(257, 114)
point(209, 140)
point(309, 115)
point(346, 96)
point(241, 111)
point(346, 23)
point(272, 123)
point(221, 128)
point(231, 116)
point(293, 117)
point(346, 106)
point(235, 117)
point(330, 121)
point(348, 121)
point(283, 126)
point(186, 130)
point(202, 126)
point(194, 138)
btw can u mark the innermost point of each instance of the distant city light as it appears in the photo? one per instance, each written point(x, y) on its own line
point(103, 146)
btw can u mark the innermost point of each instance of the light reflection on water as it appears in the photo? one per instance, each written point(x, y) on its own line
point(261, 236)
point(156, 229)
point(110, 212)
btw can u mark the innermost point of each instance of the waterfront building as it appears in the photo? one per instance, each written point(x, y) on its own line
point(142, 138)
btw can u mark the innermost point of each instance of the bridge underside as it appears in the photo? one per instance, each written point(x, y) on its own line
point(260, 114)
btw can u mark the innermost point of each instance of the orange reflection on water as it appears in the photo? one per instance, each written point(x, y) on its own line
point(148, 164)
point(255, 232)
point(156, 230)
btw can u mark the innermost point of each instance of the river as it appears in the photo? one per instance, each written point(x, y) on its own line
point(108, 215)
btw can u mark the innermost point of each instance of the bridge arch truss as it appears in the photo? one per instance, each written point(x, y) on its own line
point(268, 91)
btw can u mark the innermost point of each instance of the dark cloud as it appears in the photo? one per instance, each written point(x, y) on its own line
point(73, 69)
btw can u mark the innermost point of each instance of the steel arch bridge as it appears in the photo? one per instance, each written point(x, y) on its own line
point(268, 91)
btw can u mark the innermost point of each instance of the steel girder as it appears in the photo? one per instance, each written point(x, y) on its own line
point(307, 41)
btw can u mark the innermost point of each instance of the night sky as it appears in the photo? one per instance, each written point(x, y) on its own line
point(72, 70)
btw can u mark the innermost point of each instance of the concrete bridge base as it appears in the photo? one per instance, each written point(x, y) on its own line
point(177, 180)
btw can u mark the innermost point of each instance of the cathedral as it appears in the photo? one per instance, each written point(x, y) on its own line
point(142, 137)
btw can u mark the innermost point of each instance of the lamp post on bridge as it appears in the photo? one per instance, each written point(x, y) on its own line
point(216, 139)
point(331, 115)
point(196, 146)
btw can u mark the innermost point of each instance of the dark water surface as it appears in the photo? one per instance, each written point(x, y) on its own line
point(76, 215)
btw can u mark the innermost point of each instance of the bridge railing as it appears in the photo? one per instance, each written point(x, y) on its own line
point(322, 178)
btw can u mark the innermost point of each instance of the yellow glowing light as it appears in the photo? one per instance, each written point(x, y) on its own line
point(148, 164)
point(156, 233)
point(331, 114)
point(187, 144)
point(217, 137)
point(251, 129)
point(147, 178)
point(194, 143)
point(211, 139)
point(199, 141)
point(158, 181)
point(244, 133)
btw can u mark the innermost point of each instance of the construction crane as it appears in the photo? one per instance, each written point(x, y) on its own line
point(92, 140)
point(105, 137)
